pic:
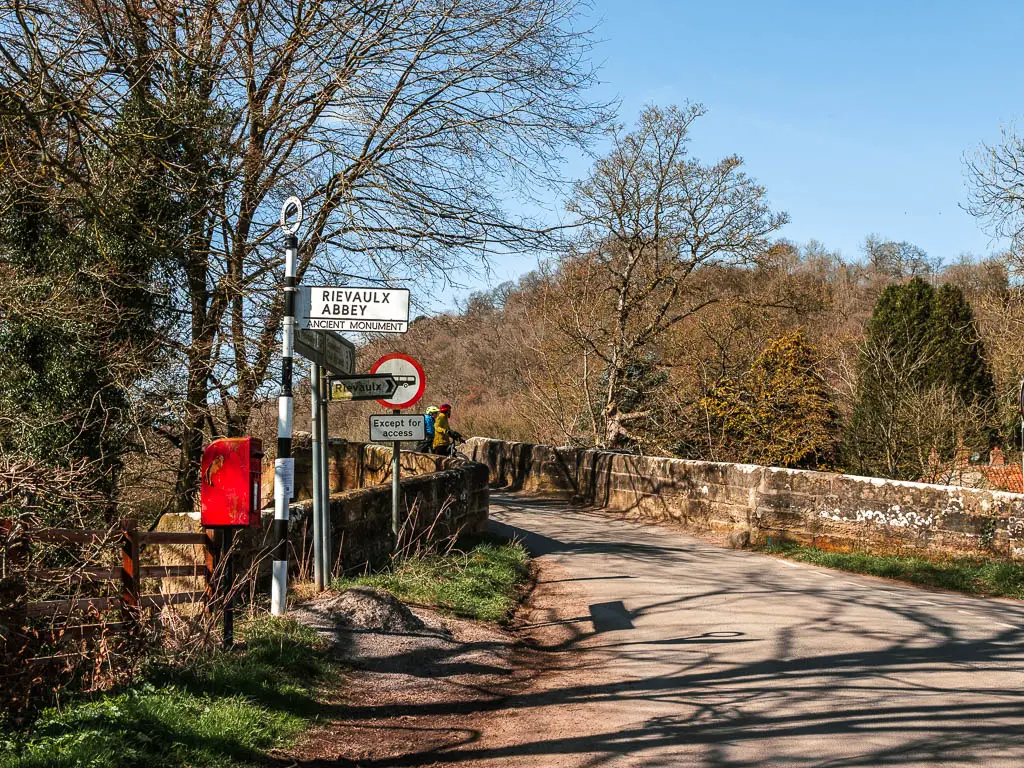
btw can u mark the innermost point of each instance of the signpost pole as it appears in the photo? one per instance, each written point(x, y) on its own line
point(284, 464)
point(396, 485)
point(318, 504)
point(325, 480)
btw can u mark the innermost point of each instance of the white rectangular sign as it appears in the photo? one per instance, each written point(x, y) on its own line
point(343, 308)
point(284, 478)
point(403, 426)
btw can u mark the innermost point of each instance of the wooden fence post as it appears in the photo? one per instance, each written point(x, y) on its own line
point(131, 589)
point(228, 581)
point(13, 603)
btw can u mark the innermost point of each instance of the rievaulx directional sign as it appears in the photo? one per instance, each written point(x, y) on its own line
point(368, 386)
point(395, 427)
point(344, 308)
point(335, 353)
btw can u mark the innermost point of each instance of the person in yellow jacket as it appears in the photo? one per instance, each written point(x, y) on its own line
point(444, 435)
point(427, 446)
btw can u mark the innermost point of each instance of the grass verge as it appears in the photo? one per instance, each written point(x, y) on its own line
point(480, 579)
point(976, 576)
point(226, 709)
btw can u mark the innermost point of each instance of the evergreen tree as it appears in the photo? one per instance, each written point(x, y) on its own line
point(903, 318)
point(79, 309)
point(922, 348)
point(958, 358)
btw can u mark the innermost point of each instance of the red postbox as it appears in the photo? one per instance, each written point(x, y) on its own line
point(230, 491)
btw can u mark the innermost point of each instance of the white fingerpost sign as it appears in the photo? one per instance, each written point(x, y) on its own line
point(344, 308)
point(335, 353)
point(396, 427)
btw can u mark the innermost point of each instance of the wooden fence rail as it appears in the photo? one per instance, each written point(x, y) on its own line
point(75, 611)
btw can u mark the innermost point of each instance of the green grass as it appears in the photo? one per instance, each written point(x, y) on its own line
point(228, 708)
point(976, 576)
point(481, 580)
point(225, 710)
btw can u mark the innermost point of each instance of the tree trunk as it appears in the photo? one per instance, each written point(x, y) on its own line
point(190, 458)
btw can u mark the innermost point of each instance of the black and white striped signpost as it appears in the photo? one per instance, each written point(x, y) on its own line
point(284, 464)
point(313, 316)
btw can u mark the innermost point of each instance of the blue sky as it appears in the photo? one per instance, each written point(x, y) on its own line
point(856, 116)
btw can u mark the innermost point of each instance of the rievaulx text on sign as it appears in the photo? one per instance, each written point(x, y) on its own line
point(366, 387)
point(377, 310)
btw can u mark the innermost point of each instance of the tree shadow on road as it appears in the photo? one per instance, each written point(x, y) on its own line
point(889, 681)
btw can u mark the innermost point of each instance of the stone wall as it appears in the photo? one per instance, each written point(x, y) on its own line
point(436, 505)
point(442, 497)
point(827, 509)
point(349, 466)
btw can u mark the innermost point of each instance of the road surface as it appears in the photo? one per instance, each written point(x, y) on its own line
point(681, 653)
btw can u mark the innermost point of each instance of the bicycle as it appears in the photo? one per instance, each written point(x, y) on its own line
point(453, 450)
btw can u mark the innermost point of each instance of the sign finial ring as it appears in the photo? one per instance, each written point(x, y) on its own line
point(291, 204)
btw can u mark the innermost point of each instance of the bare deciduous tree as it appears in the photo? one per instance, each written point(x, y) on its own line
point(653, 218)
point(403, 125)
point(996, 176)
point(890, 259)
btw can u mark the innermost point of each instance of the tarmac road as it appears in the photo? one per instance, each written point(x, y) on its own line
point(686, 654)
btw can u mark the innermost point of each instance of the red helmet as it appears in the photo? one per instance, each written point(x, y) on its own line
point(445, 408)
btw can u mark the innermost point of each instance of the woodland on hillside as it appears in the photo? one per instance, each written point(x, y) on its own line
point(767, 372)
point(146, 149)
point(678, 325)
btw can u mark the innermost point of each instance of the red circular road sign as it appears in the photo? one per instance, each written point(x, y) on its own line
point(409, 376)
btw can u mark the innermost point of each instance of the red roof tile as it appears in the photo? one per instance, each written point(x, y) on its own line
point(1005, 478)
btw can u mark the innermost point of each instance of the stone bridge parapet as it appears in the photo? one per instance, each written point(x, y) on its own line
point(827, 509)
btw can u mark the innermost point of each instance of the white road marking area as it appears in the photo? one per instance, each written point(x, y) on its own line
point(789, 564)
